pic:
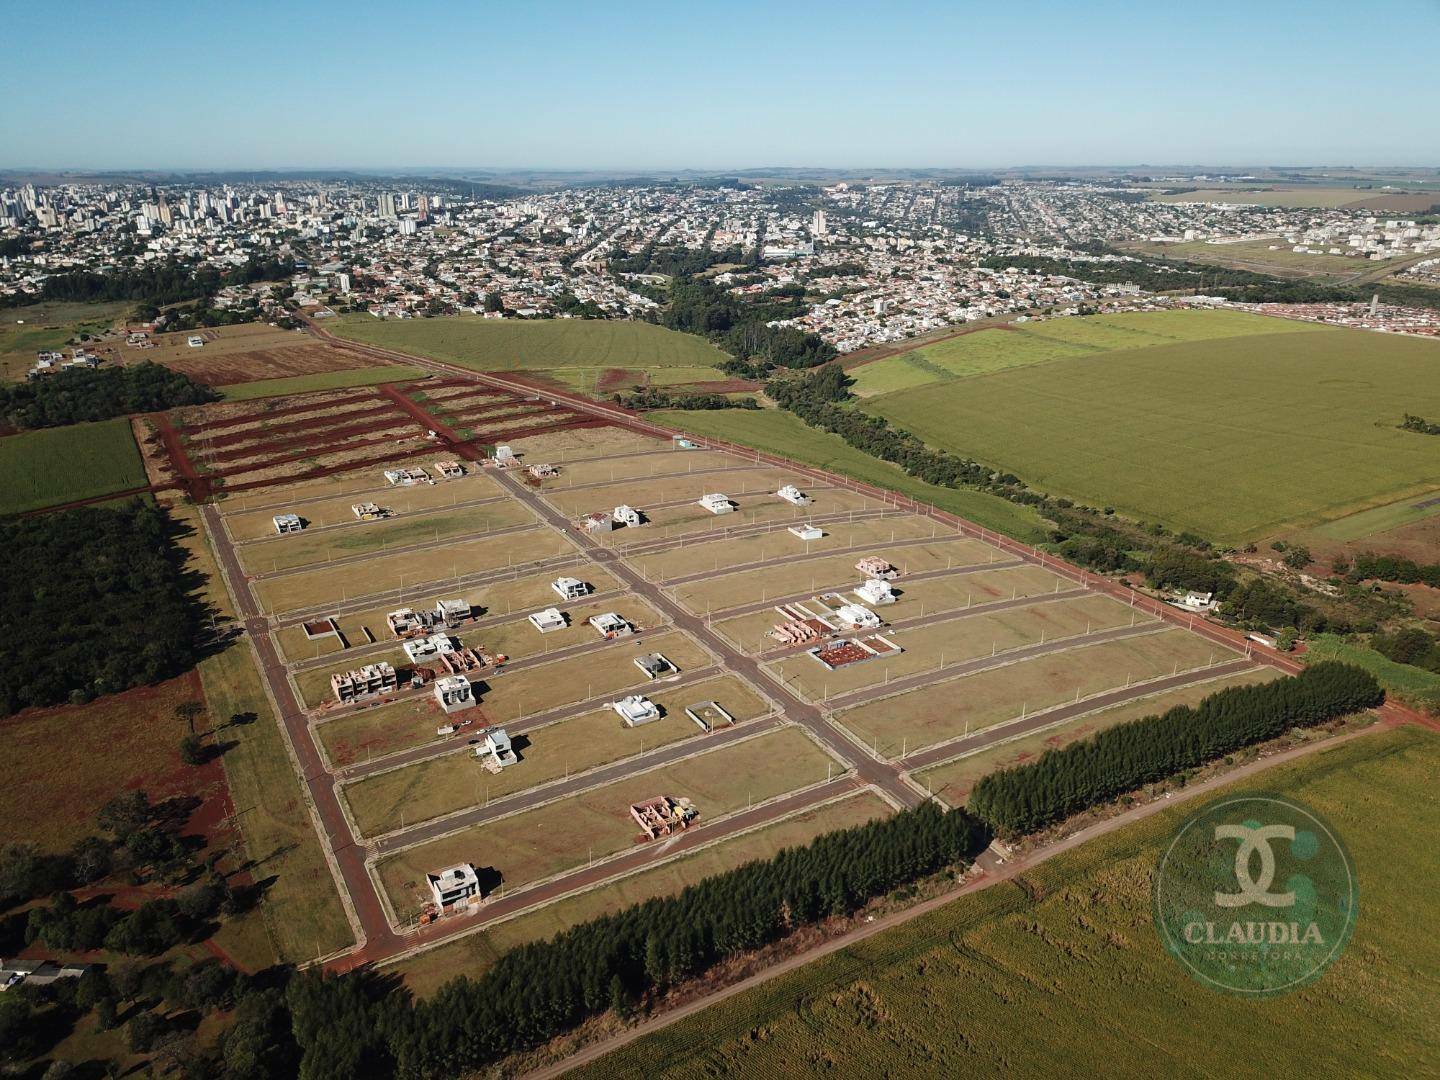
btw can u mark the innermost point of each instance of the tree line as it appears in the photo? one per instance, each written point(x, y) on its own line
point(96, 600)
point(77, 395)
point(650, 397)
point(168, 282)
point(1372, 567)
point(1065, 781)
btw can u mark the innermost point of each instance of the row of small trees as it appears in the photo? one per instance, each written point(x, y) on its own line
point(1066, 781)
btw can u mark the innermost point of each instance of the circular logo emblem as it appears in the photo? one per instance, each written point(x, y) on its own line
point(1255, 895)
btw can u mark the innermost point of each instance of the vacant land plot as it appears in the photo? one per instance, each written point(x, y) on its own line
point(356, 538)
point(930, 596)
point(1406, 681)
point(330, 380)
point(497, 600)
point(243, 353)
point(65, 464)
point(282, 497)
point(1075, 950)
point(53, 783)
point(1233, 439)
point(776, 432)
point(311, 588)
point(947, 710)
point(953, 780)
point(446, 784)
point(932, 646)
point(563, 835)
point(1024, 344)
point(34, 328)
point(668, 489)
point(535, 345)
point(256, 525)
point(473, 954)
point(689, 519)
point(659, 463)
point(810, 575)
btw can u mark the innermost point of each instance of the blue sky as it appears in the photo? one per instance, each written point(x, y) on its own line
point(708, 85)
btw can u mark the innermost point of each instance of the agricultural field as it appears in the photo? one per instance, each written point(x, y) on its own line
point(571, 350)
point(1234, 439)
point(53, 466)
point(1321, 197)
point(1074, 951)
point(473, 954)
point(34, 328)
point(1023, 344)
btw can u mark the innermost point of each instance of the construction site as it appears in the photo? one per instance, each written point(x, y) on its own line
point(510, 633)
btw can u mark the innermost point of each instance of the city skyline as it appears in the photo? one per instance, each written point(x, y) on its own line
point(562, 86)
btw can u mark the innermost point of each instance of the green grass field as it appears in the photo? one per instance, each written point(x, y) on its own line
point(59, 465)
point(1235, 439)
point(1024, 344)
point(328, 380)
point(1380, 519)
point(776, 432)
point(1065, 975)
point(575, 351)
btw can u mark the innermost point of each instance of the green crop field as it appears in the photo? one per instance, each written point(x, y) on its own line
point(1023, 344)
point(1234, 438)
point(775, 432)
point(325, 380)
point(575, 349)
point(1064, 974)
point(64, 464)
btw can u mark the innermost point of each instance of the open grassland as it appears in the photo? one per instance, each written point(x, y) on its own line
point(1234, 439)
point(59, 465)
point(301, 905)
point(473, 954)
point(932, 646)
point(953, 780)
point(437, 564)
point(1062, 973)
point(563, 835)
point(1374, 522)
point(446, 784)
point(358, 538)
point(35, 328)
point(328, 380)
point(775, 432)
point(948, 710)
point(1024, 344)
point(536, 344)
point(53, 783)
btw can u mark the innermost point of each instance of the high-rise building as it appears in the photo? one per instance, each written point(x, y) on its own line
point(818, 226)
